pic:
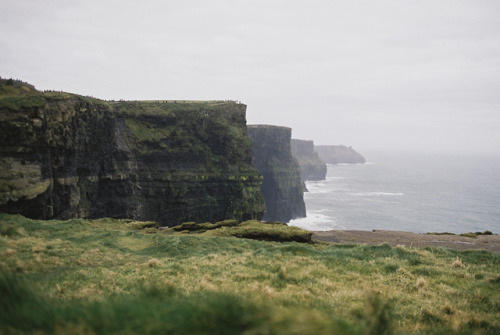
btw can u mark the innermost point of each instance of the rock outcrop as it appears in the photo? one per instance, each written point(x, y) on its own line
point(282, 184)
point(311, 166)
point(338, 154)
point(67, 156)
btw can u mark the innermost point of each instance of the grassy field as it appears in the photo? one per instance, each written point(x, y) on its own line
point(124, 277)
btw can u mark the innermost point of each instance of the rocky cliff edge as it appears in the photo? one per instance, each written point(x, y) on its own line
point(67, 156)
point(311, 166)
point(282, 185)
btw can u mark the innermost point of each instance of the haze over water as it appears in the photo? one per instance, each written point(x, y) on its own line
point(403, 74)
point(418, 193)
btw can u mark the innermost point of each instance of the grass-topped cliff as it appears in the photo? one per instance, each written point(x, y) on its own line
point(68, 156)
point(120, 276)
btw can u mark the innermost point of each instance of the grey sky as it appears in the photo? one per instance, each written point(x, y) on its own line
point(396, 75)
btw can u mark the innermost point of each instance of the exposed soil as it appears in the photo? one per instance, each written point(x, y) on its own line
point(490, 243)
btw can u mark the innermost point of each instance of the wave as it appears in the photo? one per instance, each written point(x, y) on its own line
point(315, 184)
point(316, 221)
point(411, 192)
point(376, 194)
point(344, 164)
point(324, 211)
point(316, 187)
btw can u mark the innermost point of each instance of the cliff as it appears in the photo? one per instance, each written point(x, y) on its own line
point(338, 154)
point(67, 156)
point(282, 185)
point(311, 166)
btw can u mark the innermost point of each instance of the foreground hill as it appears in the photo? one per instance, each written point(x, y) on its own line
point(120, 276)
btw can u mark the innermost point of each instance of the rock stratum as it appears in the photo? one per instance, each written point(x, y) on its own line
point(282, 185)
point(339, 154)
point(67, 156)
point(311, 166)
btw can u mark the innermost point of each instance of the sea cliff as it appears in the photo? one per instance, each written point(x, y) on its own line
point(67, 156)
point(282, 185)
point(311, 166)
point(339, 154)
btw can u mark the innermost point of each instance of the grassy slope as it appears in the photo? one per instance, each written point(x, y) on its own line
point(107, 276)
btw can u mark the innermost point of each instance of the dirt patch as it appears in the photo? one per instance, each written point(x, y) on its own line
point(490, 243)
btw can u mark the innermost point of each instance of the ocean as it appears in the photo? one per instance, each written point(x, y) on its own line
point(409, 192)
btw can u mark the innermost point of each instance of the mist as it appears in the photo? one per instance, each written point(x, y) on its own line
point(386, 75)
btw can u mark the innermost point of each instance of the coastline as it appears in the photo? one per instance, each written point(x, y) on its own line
point(489, 243)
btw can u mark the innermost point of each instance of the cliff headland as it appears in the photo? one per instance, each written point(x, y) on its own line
point(339, 154)
point(68, 156)
point(311, 166)
point(282, 185)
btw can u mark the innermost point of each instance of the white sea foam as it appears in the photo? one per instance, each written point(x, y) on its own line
point(318, 191)
point(316, 187)
point(376, 194)
point(325, 211)
point(407, 192)
point(316, 221)
point(316, 184)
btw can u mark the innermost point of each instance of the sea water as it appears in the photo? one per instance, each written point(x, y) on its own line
point(409, 192)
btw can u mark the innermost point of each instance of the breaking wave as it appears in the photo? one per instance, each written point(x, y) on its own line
point(375, 194)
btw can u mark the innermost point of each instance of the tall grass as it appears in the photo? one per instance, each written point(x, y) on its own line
point(157, 310)
point(112, 276)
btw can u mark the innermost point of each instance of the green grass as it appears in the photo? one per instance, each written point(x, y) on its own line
point(19, 96)
point(470, 234)
point(18, 103)
point(158, 107)
point(120, 276)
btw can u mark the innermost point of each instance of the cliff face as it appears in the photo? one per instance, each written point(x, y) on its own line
point(66, 156)
point(311, 166)
point(338, 154)
point(282, 185)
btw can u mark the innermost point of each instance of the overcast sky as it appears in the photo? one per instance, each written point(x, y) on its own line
point(376, 75)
